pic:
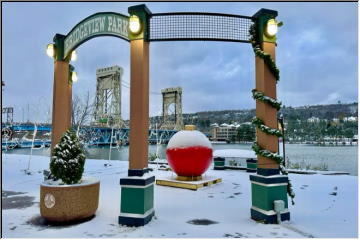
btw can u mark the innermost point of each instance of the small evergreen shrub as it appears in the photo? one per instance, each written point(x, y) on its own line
point(68, 159)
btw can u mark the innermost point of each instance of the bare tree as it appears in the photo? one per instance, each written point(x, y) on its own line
point(82, 108)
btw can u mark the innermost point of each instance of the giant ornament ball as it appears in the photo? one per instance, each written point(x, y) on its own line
point(189, 153)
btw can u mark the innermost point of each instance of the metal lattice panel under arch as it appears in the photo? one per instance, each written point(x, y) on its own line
point(199, 27)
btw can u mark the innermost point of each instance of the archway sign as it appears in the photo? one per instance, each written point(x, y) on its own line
point(143, 27)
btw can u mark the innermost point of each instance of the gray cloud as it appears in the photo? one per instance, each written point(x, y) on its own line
point(317, 56)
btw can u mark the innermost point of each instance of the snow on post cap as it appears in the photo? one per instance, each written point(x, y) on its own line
point(188, 138)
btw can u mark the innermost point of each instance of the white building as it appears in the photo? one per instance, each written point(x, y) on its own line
point(350, 119)
point(224, 132)
point(313, 120)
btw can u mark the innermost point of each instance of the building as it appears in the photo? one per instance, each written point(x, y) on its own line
point(313, 120)
point(350, 119)
point(224, 132)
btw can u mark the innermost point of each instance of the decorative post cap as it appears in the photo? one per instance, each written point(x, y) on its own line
point(139, 8)
point(59, 46)
point(262, 17)
point(265, 12)
point(144, 14)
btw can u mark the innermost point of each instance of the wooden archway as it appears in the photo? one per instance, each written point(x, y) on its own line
point(137, 190)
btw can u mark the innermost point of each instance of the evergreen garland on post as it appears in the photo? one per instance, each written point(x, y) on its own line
point(290, 190)
point(268, 130)
point(261, 54)
point(266, 153)
point(257, 95)
point(68, 159)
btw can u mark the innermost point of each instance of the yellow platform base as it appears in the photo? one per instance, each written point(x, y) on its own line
point(192, 185)
point(186, 178)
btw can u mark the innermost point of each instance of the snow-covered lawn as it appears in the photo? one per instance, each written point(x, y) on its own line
point(326, 206)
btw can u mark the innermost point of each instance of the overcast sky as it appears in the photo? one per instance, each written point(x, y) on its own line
point(316, 54)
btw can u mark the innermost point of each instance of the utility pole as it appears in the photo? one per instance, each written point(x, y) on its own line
point(28, 113)
point(281, 121)
point(23, 114)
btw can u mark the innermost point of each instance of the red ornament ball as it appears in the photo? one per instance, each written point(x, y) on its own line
point(189, 153)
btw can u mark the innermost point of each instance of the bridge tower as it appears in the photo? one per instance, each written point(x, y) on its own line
point(172, 108)
point(108, 96)
point(8, 112)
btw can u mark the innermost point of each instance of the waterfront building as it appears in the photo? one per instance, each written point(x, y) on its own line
point(313, 120)
point(350, 119)
point(224, 132)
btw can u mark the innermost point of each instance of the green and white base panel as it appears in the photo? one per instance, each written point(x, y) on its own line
point(137, 198)
point(219, 163)
point(266, 187)
point(251, 165)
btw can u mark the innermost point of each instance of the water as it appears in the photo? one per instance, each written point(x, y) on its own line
point(337, 158)
point(341, 158)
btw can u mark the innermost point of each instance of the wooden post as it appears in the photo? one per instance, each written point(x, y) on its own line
point(62, 94)
point(267, 185)
point(266, 83)
point(139, 104)
point(137, 190)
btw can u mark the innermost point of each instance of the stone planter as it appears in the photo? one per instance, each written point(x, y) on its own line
point(62, 203)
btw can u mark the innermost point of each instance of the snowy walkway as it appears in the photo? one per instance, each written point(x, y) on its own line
point(326, 206)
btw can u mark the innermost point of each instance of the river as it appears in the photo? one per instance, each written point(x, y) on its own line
point(335, 158)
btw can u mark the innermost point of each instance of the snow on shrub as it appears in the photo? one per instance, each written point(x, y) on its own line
point(68, 159)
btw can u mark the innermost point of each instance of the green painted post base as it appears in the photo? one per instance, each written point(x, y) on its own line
point(219, 163)
point(251, 165)
point(137, 199)
point(264, 191)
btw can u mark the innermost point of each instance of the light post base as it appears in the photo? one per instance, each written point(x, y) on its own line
point(265, 190)
point(137, 198)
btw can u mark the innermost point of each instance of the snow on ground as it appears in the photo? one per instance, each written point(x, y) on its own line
point(239, 153)
point(326, 206)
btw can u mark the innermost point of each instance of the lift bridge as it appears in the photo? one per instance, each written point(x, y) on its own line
point(22, 136)
point(97, 136)
point(102, 131)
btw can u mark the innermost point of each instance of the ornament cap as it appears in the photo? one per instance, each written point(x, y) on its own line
point(190, 127)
